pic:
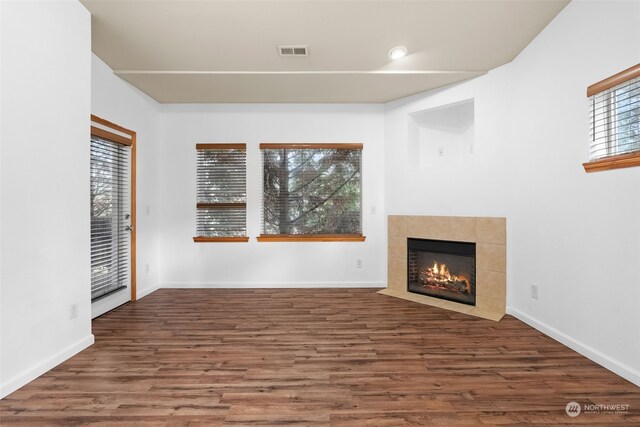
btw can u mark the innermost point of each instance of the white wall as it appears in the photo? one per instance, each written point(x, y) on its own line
point(45, 87)
point(2, 381)
point(115, 100)
point(253, 264)
point(575, 235)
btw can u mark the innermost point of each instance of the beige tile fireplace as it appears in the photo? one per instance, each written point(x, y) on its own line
point(490, 237)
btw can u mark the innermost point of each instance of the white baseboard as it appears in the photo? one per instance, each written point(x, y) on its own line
point(283, 285)
point(30, 374)
point(615, 366)
point(141, 293)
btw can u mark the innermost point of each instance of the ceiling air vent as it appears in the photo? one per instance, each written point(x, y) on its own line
point(297, 50)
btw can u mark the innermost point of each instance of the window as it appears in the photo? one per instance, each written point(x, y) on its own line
point(222, 193)
point(311, 192)
point(615, 121)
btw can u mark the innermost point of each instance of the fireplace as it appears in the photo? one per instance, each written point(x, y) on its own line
point(442, 269)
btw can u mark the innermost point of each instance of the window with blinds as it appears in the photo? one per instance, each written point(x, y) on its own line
point(110, 216)
point(221, 193)
point(614, 105)
point(311, 190)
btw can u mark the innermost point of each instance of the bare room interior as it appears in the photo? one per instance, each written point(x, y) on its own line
point(320, 212)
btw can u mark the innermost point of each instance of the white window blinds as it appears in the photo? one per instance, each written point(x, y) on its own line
point(221, 192)
point(311, 189)
point(615, 119)
point(110, 216)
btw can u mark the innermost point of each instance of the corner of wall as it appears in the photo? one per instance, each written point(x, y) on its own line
point(22, 378)
point(625, 371)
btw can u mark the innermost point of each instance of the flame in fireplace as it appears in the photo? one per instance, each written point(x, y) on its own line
point(439, 276)
point(442, 270)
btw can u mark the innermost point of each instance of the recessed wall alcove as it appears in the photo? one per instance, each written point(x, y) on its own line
point(489, 236)
point(443, 135)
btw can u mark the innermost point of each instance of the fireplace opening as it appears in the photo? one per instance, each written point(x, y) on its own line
point(442, 269)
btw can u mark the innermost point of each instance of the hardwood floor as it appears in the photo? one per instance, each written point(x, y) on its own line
point(340, 357)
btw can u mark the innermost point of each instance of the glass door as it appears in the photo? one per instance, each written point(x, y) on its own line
point(111, 223)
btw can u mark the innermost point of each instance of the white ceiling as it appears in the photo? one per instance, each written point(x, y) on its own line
point(225, 50)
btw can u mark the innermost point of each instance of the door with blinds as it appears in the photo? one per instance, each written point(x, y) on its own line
point(112, 216)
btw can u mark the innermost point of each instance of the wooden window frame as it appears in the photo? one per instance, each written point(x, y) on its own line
point(626, 160)
point(311, 237)
point(221, 239)
point(121, 135)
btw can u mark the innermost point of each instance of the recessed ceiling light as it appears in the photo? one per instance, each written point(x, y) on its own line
point(397, 52)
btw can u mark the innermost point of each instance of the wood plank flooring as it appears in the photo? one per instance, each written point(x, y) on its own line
point(318, 357)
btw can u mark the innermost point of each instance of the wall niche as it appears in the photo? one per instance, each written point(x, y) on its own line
point(442, 136)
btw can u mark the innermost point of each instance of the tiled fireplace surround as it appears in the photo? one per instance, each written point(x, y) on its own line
point(490, 237)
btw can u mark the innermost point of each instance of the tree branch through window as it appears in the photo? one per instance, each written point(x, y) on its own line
point(312, 191)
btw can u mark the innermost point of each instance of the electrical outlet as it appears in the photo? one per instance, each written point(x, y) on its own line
point(146, 268)
point(440, 151)
point(359, 263)
point(147, 210)
point(73, 311)
point(471, 149)
point(373, 210)
point(534, 291)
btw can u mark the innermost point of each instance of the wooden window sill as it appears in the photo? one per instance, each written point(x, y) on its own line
point(220, 239)
point(221, 205)
point(311, 238)
point(613, 162)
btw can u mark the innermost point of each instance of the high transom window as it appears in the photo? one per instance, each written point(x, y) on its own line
point(614, 105)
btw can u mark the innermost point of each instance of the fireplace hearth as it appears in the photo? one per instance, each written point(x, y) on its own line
point(442, 269)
